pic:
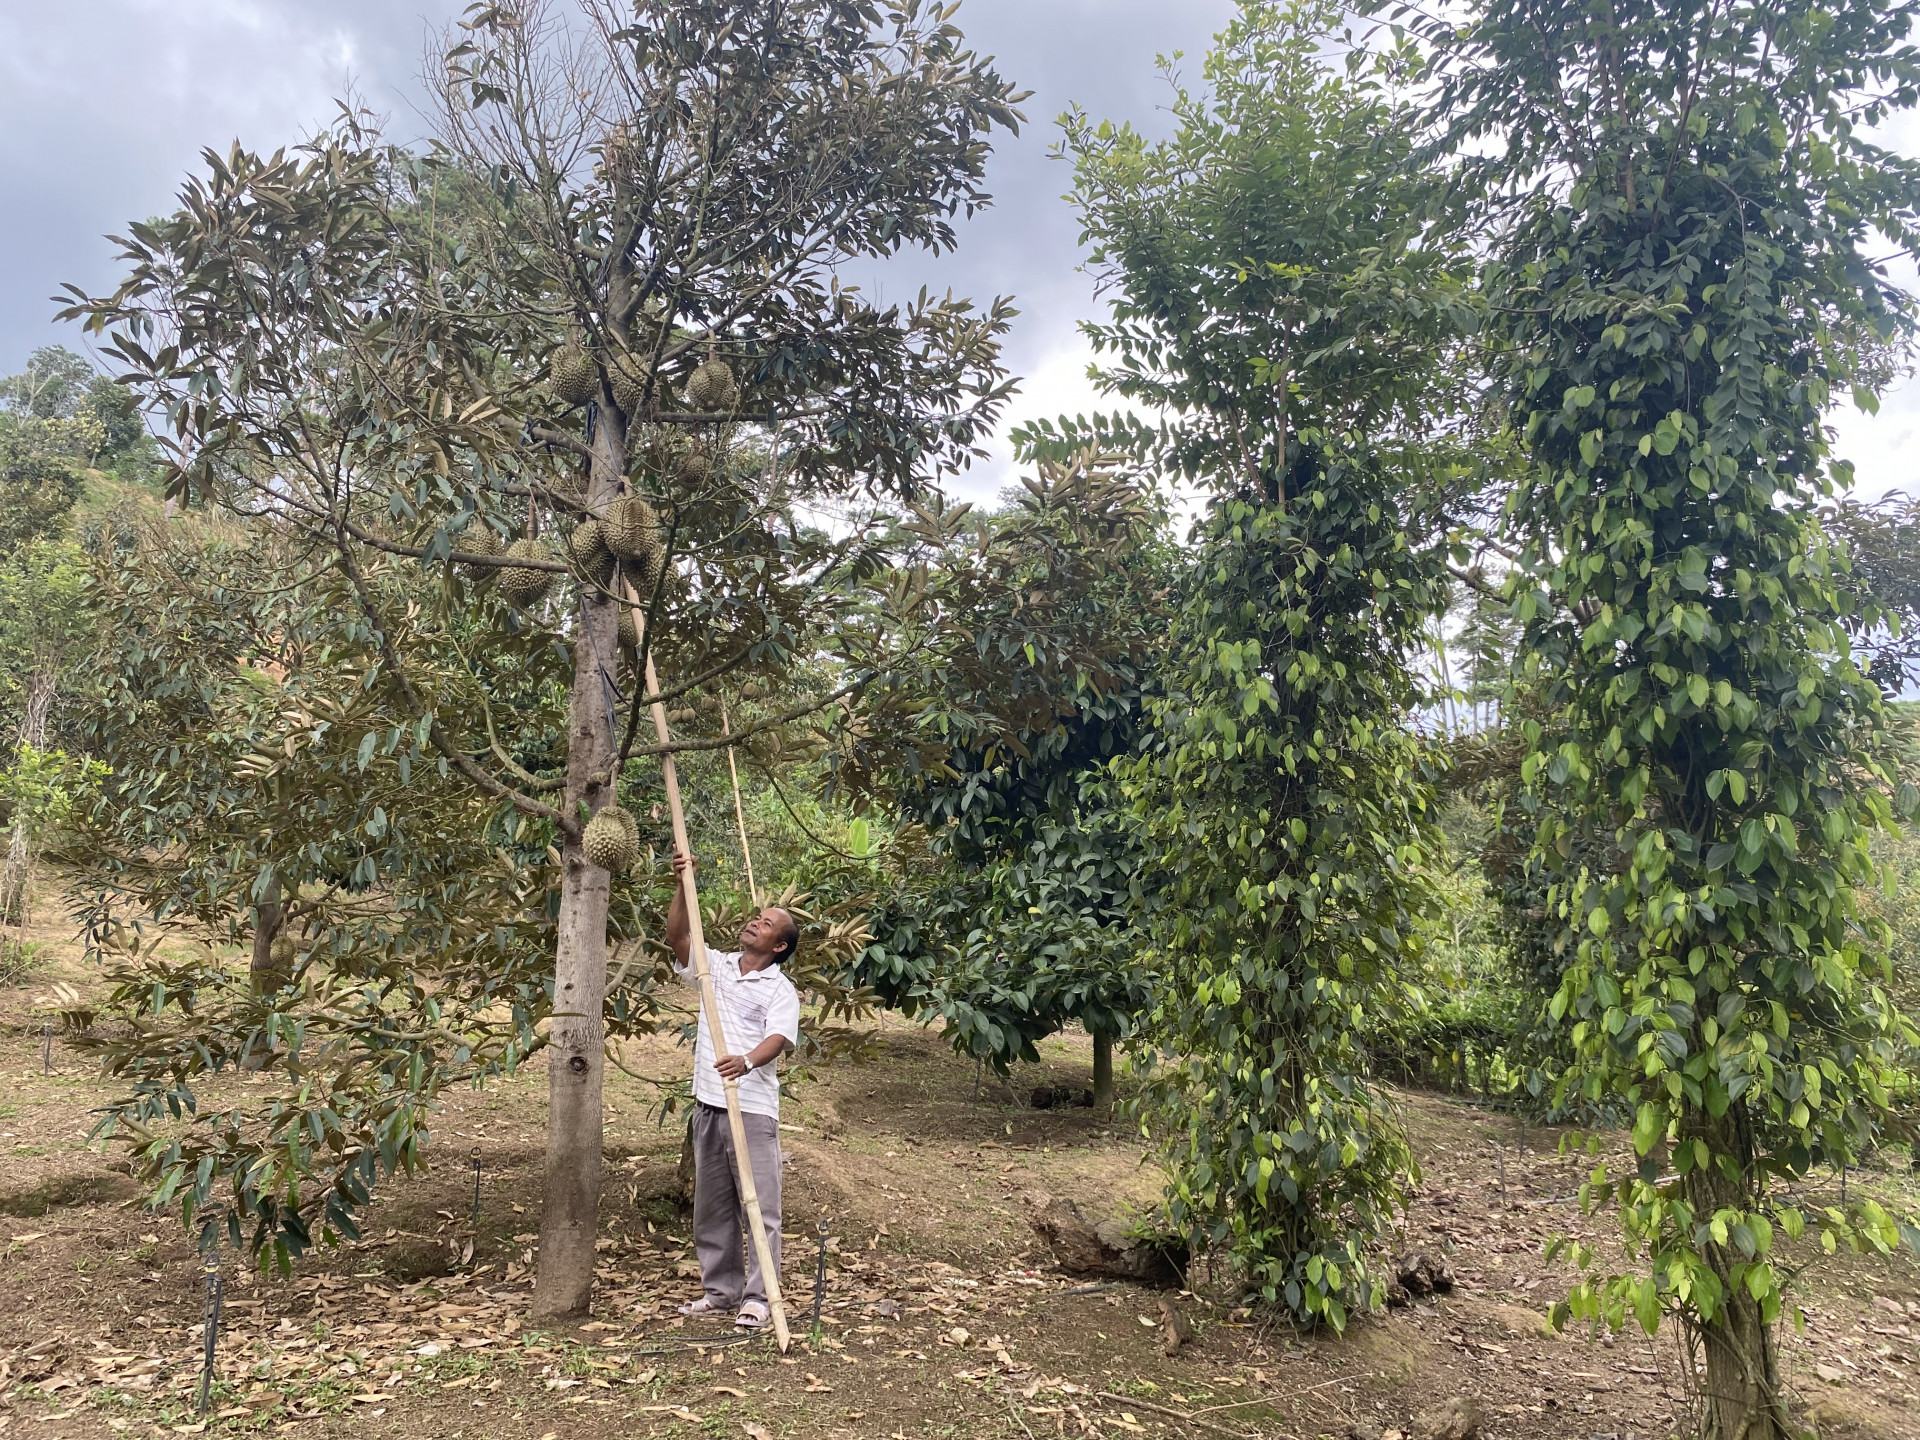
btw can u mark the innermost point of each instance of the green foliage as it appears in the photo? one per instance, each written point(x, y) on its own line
point(1285, 200)
point(1882, 543)
point(1057, 609)
point(1467, 1016)
point(40, 481)
point(252, 764)
point(43, 623)
point(351, 345)
point(1285, 827)
point(63, 406)
point(52, 387)
point(1274, 290)
point(1683, 284)
point(40, 789)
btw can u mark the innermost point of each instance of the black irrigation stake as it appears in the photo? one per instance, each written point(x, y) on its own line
point(474, 1226)
point(212, 1273)
point(820, 1279)
point(46, 1053)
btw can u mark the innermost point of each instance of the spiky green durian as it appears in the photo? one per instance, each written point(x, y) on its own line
point(612, 840)
point(711, 387)
point(572, 376)
point(522, 585)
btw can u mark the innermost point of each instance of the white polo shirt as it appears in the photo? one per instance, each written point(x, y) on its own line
point(752, 1007)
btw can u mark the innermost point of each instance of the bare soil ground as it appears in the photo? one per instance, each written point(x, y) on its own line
point(942, 1316)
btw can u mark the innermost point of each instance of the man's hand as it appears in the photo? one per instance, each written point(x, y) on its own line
point(732, 1067)
point(683, 863)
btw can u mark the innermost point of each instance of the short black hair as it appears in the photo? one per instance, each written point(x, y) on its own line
point(793, 938)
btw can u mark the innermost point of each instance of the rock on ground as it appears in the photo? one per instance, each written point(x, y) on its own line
point(1104, 1248)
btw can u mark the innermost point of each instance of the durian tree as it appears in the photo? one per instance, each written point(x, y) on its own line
point(997, 746)
point(609, 393)
point(263, 801)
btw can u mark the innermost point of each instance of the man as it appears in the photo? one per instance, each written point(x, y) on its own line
point(761, 1012)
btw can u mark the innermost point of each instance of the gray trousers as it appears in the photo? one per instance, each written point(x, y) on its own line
point(720, 1217)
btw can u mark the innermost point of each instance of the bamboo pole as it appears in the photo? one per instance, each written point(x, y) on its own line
point(739, 812)
point(709, 1001)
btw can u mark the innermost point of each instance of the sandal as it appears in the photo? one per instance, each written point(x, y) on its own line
point(705, 1305)
point(752, 1316)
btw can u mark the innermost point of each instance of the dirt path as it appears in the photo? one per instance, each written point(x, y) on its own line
point(942, 1315)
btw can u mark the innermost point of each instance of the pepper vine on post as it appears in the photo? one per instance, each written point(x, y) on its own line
point(1680, 286)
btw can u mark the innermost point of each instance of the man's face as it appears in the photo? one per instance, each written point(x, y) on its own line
point(766, 934)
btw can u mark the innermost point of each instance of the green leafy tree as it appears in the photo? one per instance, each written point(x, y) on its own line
point(1057, 609)
point(68, 406)
point(1278, 294)
point(52, 386)
point(1882, 540)
point(263, 799)
point(1683, 198)
point(629, 302)
point(43, 627)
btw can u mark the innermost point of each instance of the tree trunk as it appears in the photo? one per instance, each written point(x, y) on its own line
point(269, 915)
point(14, 890)
point(576, 1056)
point(1741, 1399)
point(13, 880)
point(1102, 1070)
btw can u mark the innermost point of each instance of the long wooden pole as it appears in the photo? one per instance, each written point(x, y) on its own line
point(739, 811)
point(709, 1001)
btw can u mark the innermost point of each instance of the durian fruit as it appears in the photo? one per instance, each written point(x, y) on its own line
point(612, 839)
point(632, 529)
point(645, 575)
point(567, 483)
point(693, 468)
point(523, 587)
point(478, 538)
point(587, 546)
point(572, 377)
point(629, 375)
point(680, 717)
point(711, 386)
point(750, 691)
point(629, 629)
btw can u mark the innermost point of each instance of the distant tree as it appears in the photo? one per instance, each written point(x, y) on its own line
point(42, 632)
point(39, 484)
point(111, 411)
point(52, 386)
point(1882, 540)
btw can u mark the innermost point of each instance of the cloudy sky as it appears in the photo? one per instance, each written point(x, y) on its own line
point(107, 104)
